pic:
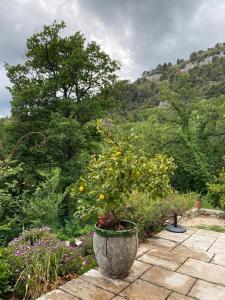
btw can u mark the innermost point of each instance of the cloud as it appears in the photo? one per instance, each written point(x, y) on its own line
point(140, 34)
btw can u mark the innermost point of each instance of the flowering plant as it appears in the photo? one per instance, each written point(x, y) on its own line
point(112, 176)
point(38, 259)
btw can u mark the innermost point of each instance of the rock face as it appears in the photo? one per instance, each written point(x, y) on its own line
point(115, 255)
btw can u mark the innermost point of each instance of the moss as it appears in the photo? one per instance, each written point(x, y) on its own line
point(216, 228)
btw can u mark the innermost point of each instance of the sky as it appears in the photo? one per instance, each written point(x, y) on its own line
point(139, 33)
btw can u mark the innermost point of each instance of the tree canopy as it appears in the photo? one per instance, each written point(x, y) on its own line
point(59, 73)
point(57, 90)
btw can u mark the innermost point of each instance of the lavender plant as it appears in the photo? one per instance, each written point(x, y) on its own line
point(38, 259)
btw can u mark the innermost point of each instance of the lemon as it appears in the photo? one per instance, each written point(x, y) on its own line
point(118, 153)
point(102, 197)
point(81, 188)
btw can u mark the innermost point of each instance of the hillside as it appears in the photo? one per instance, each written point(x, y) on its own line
point(205, 71)
point(196, 59)
point(179, 110)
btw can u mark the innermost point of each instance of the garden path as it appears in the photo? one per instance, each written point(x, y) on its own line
point(168, 266)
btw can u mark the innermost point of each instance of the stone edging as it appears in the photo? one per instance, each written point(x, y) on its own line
point(205, 212)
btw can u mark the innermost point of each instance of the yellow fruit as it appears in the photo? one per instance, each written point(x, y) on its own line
point(81, 188)
point(118, 153)
point(102, 197)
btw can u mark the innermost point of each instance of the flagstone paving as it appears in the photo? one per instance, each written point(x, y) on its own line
point(168, 266)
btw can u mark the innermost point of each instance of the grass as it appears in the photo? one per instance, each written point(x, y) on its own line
point(216, 228)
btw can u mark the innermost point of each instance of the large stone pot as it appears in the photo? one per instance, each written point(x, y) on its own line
point(115, 251)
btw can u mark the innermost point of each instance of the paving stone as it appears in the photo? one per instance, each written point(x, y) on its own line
point(220, 243)
point(57, 295)
point(203, 290)
point(176, 296)
point(97, 278)
point(176, 237)
point(84, 290)
point(203, 270)
point(205, 235)
point(143, 248)
point(160, 243)
point(177, 257)
point(137, 270)
point(219, 259)
point(193, 253)
point(168, 279)
point(118, 298)
point(157, 261)
point(200, 243)
point(204, 232)
point(142, 290)
point(213, 250)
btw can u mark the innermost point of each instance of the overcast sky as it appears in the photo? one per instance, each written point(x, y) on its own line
point(140, 33)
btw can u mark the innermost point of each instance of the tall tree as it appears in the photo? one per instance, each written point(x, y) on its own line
point(59, 74)
point(56, 91)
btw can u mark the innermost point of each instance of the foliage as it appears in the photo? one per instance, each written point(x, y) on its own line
point(189, 129)
point(59, 88)
point(74, 227)
point(215, 228)
point(37, 258)
point(151, 215)
point(130, 96)
point(217, 189)
point(43, 206)
point(58, 68)
point(5, 274)
point(117, 172)
point(208, 202)
point(10, 200)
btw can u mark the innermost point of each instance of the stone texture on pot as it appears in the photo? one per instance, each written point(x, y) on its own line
point(115, 255)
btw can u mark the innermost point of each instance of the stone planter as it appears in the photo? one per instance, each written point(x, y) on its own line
point(115, 251)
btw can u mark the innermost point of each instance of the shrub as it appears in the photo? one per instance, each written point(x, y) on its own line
point(217, 190)
point(74, 228)
point(150, 215)
point(5, 274)
point(87, 245)
point(180, 203)
point(43, 205)
point(38, 258)
point(10, 201)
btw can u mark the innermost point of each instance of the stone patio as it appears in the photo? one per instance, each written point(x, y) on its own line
point(170, 266)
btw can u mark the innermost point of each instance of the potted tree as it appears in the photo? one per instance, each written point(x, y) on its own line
point(102, 192)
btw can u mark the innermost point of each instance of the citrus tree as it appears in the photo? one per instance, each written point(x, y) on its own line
point(119, 170)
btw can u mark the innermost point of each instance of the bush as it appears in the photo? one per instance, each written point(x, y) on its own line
point(10, 200)
point(43, 206)
point(217, 190)
point(74, 228)
point(151, 215)
point(38, 258)
point(5, 275)
point(208, 201)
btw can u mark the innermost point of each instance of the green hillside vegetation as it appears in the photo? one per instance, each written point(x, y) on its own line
point(64, 86)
